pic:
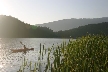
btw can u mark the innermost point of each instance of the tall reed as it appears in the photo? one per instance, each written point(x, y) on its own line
point(86, 54)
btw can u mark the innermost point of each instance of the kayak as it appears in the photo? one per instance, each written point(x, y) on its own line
point(21, 50)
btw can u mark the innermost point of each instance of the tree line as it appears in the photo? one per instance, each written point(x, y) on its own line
point(11, 27)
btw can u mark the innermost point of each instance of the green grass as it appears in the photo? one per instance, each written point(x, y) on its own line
point(85, 54)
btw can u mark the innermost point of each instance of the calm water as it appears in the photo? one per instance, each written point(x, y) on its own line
point(11, 62)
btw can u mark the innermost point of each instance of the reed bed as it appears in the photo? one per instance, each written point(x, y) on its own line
point(86, 54)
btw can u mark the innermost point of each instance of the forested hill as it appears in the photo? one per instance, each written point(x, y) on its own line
point(11, 27)
point(100, 28)
point(67, 24)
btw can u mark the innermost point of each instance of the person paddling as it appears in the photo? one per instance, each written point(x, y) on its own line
point(24, 46)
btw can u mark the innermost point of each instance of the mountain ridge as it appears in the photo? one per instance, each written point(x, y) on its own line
point(11, 27)
point(100, 28)
point(67, 24)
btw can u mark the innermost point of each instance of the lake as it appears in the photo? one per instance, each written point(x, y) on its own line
point(12, 62)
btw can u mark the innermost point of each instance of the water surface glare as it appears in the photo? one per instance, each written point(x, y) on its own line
point(11, 62)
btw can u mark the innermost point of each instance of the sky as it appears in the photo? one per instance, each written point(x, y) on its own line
point(44, 11)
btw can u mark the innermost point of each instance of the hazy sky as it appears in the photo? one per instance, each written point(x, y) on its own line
point(43, 11)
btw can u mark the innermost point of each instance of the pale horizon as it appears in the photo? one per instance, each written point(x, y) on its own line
point(39, 12)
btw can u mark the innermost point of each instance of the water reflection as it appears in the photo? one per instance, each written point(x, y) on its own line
point(12, 61)
point(1, 66)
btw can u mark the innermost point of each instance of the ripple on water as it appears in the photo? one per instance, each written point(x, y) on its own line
point(11, 62)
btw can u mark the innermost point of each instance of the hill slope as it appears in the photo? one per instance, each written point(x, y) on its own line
point(67, 24)
point(100, 28)
point(11, 27)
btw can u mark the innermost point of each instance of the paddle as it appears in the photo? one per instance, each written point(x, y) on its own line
point(21, 43)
